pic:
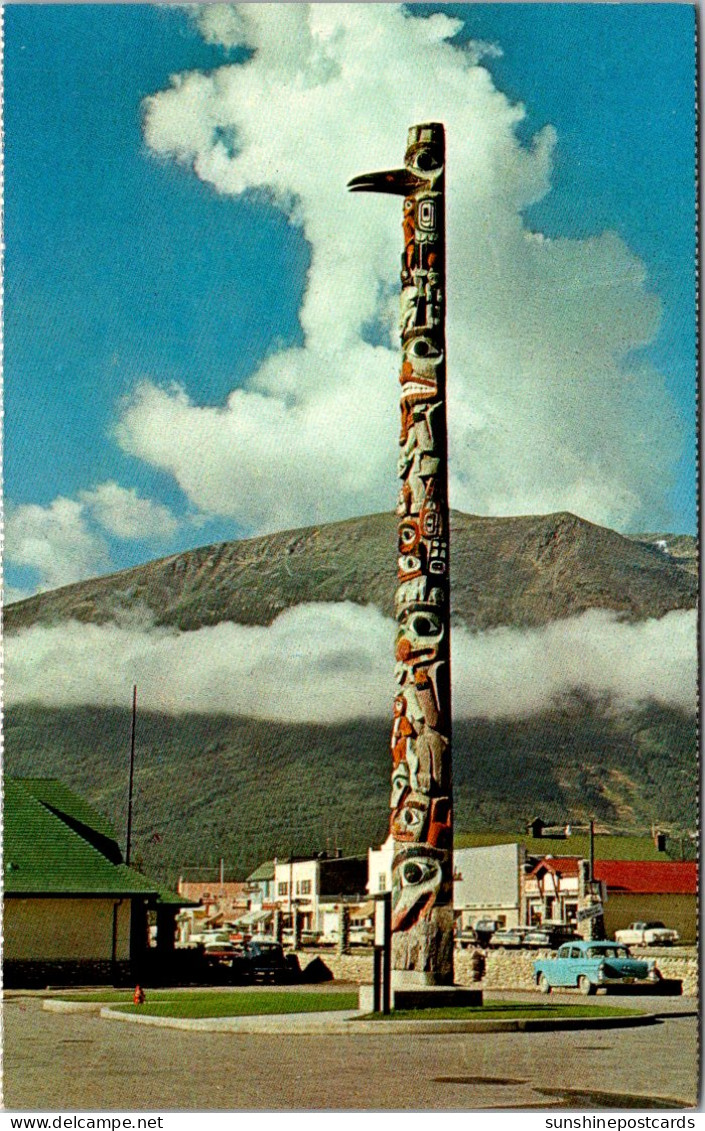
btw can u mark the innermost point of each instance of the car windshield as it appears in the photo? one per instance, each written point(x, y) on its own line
point(607, 952)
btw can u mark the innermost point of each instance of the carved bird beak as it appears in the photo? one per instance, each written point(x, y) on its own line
point(397, 182)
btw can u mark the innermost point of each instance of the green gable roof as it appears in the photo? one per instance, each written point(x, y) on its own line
point(75, 812)
point(43, 855)
point(57, 796)
point(263, 872)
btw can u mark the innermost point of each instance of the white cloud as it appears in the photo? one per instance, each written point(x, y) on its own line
point(330, 663)
point(548, 411)
point(55, 541)
point(11, 593)
point(60, 541)
point(511, 672)
point(125, 514)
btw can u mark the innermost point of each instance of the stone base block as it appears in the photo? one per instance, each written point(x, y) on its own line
point(423, 997)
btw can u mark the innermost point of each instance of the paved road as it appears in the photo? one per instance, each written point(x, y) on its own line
point(65, 1062)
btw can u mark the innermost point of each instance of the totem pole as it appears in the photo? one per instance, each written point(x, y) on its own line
point(421, 801)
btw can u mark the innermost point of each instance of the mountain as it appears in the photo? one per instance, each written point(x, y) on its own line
point(521, 571)
point(208, 786)
point(212, 786)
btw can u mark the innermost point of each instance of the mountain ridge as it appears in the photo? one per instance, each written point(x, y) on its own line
point(245, 789)
point(522, 571)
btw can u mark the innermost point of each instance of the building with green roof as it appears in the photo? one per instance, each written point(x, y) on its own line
point(72, 909)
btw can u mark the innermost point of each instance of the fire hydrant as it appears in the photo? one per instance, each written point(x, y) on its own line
point(138, 996)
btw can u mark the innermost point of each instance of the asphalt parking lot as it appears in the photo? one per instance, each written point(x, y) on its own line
point(69, 1062)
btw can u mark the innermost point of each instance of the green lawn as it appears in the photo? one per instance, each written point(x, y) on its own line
point(503, 1011)
point(606, 847)
point(110, 996)
point(207, 1003)
point(240, 1004)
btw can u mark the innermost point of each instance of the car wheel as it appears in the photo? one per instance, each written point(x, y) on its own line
point(543, 984)
point(585, 985)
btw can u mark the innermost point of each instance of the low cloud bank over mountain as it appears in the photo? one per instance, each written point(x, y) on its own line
point(332, 662)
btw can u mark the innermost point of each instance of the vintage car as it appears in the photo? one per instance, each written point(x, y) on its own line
point(591, 965)
point(256, 960)
point(512, 937)
point(652, 933)
point(485, 928)
point(466, 937)
point(264, 960)
point(550, 936)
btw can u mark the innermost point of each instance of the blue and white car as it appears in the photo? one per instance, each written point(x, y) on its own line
point(591, 965)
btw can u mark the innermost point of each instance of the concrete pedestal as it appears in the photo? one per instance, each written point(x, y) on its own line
point(423, 997)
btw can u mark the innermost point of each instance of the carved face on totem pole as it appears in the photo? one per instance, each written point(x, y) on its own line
point(421, 808)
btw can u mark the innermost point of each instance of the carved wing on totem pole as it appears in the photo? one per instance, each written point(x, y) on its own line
point(421, 797)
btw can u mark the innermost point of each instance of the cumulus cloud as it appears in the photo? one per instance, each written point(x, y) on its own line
point(125, 514)
point(64, 541)
point(55, 541)
point(330, 663)
point(548, 409)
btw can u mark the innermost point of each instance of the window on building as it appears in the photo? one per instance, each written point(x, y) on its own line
point(305, 887)
point(283, 888)
point(298, 887)
point(382, 882)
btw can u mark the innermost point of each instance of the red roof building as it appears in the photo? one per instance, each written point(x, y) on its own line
point(648, 877)
point(661, 890)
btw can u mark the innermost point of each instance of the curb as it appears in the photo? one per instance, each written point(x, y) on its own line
point(57, 1005)
point(346, 1024)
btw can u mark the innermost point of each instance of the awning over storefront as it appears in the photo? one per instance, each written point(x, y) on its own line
point(364, 910)
point(253, 917)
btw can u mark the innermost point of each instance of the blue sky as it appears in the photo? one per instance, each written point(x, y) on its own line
point(123, 267)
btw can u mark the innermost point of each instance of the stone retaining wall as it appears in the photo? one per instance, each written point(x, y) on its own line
point(504, 969)
point(684, 968)
point(28, 974)
point(512, 969)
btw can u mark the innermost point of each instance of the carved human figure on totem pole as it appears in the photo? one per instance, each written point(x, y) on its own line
point(421, 802)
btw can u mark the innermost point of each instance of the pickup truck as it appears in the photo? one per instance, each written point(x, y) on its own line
point(651, 933)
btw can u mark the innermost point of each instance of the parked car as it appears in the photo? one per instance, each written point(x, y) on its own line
point(590, 965)
point(222, 954)
point(485, 928)
point(211, 935)
point(361, 936)
point(651, 933)
point(550, 936)
point(308, 938)
point(263, 960)
point(510, 937)
point(465, 938)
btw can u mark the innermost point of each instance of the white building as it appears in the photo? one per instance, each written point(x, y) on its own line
point(379, 867)
point(315, 884)
point(487, 883)
point(487, 880)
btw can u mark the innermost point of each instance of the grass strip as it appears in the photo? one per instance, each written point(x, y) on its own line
point(241, 1004)
point(111, 996)
point(501, 1011)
